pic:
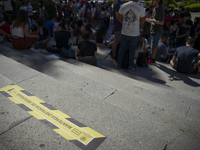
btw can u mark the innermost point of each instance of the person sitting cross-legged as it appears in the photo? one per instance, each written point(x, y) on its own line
point(186, 59)
point(87, 51)
point(21, 38)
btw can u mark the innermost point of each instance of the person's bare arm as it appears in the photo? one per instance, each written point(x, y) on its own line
point(172, 62)
point(77, 53)
point(4, 33)
point(27, 34)
point(95, 54)
point(186, 34)
point(120, 19)
point(155, 21)
point(142, 20)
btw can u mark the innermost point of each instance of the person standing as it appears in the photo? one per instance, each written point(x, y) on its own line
point(132, 16)
point(117, 27)
point(30, 9)
point(157, 22)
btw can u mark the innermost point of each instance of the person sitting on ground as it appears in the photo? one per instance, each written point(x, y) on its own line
point(88, 28)
point(186, 59)
point(44, 36)
point(162, 53)
point(49, 24)
point(3, 36)
point(62, 37)
point(142, 46)
point(5, 28)
point(87, 51)
point(77, 31)
point(183, 33)
point(101, 35)
point(21, 38)
point(56, 27)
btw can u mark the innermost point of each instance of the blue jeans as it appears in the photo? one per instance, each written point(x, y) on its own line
point(154, 40)
point(130, 42)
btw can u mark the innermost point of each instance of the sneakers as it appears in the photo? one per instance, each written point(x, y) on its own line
point(150, 61)
point(132, 68)
point(35, 50)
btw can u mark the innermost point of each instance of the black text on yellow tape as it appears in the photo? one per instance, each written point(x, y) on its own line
point(74, 131)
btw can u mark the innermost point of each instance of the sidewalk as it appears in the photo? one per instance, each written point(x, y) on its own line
point(152, 108)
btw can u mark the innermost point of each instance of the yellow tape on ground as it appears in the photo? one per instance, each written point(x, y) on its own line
point(62, 123)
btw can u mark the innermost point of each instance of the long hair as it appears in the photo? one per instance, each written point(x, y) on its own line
point(102, 31)
point(21, 20)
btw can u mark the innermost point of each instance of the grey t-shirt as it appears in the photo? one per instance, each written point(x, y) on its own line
point(162, 50)
point(157, 14)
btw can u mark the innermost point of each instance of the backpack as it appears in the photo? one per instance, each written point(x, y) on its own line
point(141, 60)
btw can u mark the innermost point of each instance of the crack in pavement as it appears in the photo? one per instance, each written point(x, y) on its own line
point(110, 94)
point(188, 111)
point(14, 124)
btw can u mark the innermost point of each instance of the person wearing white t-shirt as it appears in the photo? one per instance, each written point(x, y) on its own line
point(132, 16)
point(30, 9)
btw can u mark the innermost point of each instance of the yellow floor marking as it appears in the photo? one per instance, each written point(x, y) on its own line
point(36, 115)
point(61, 113)
point(14, 100)
point(37, 99)
point(68, 127)
point(64, 134)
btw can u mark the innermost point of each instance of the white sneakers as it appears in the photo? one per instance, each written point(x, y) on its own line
point(35, 50)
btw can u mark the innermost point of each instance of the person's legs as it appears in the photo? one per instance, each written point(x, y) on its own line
point(133, 42)
point(123, 49)
point(115, 43)
point(154, 45)
point(23, 43)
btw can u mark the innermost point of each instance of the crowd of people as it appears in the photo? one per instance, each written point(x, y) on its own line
point(150, 34)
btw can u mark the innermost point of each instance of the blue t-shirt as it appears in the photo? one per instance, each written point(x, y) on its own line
point(116, 24)
point(49, 25)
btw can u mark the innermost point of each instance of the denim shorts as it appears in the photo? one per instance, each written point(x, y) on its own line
point(154, 40)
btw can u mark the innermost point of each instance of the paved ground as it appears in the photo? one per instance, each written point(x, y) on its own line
point(152, 108)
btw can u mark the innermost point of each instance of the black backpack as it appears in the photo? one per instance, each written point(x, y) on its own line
point(141, 60)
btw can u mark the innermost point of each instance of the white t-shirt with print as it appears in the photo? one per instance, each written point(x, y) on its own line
point(132, 12)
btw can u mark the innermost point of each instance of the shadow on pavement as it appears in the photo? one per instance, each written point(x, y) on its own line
point(176, 76)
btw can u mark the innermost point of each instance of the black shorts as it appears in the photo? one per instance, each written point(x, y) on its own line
point(196, 70)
